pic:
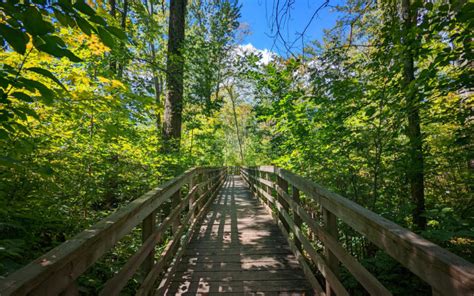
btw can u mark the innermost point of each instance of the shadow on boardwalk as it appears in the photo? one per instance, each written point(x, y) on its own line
point(238, 250)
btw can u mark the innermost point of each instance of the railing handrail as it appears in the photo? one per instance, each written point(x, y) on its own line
point(444, 271)
point(55, 271)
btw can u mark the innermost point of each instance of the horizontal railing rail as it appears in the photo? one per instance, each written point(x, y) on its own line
point(57, 271)
point(280, 190)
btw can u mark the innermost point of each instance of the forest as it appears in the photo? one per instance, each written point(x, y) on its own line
point(101, 101)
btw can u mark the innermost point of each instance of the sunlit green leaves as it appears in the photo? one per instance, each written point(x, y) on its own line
point(47, 74)
point(106, 37)
point(119, 33)
point(54, 46)
point(22, 96)
point(85, 26)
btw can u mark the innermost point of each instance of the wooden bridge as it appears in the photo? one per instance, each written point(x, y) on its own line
point(253, 231)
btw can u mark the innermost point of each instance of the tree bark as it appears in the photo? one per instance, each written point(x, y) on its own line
point(416, 168)
point(113, 12)
point(174, 77)
point(237, 130)
point(121, 64)
point(157, 79)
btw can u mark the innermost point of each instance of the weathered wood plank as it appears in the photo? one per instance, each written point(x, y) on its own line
point(240, 275)
point(148, 227)
point(268, 265)
point(330, 225)
point(237, 251)
point(280, 287)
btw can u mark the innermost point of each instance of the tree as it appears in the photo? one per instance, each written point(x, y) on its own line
point(409, 14)
point(174, 76)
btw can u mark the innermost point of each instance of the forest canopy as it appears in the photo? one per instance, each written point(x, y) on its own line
point(101, 101)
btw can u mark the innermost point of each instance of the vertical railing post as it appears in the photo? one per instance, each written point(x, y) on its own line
point(175, 198)
point(269, 189)
point(249, 175)
point(201, 178)
point(148, 227)
point(295, 194)
point(283, 184)
point(206, 178)
point(191, 198)
point(330, 225)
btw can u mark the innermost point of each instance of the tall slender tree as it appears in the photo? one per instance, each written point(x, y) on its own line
point(174, 76)
point(415, 169)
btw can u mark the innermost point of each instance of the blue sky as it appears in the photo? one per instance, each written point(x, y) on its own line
point(257, 14)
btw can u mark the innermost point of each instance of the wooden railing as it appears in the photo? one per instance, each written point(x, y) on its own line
point(280, 190)
point(57, 271)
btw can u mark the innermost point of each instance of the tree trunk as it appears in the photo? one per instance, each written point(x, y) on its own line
point(122, 44)
point(415, 170)
point(158, 87)
point(113, 12)
point(232, 99)
point(157, 79)
point(174, 77)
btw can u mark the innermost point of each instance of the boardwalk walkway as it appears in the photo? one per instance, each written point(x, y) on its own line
point(238, 250)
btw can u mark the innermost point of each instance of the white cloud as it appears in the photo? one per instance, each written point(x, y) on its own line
point(266, 55)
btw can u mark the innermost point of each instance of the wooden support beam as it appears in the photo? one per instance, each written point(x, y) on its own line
point(192, 198)
point(295, 195)
point(175, 199)
point(148, 227)
point(330, 225)
point(283, 184)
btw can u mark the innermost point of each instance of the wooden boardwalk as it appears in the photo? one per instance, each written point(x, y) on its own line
point(238, 250)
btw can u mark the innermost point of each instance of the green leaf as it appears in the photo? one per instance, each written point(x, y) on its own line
point(55, 47)
point(119, 33)
point(47, 95)
point(34, 23)
point(47, 74)
point(98, 20)
point(71, 56)
point(106, 38)
point(16, 38)
point(22, 97)
point(64, 19)
point(30, 112)
point(65, 5)
point(84, 25)
point(84, 8)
